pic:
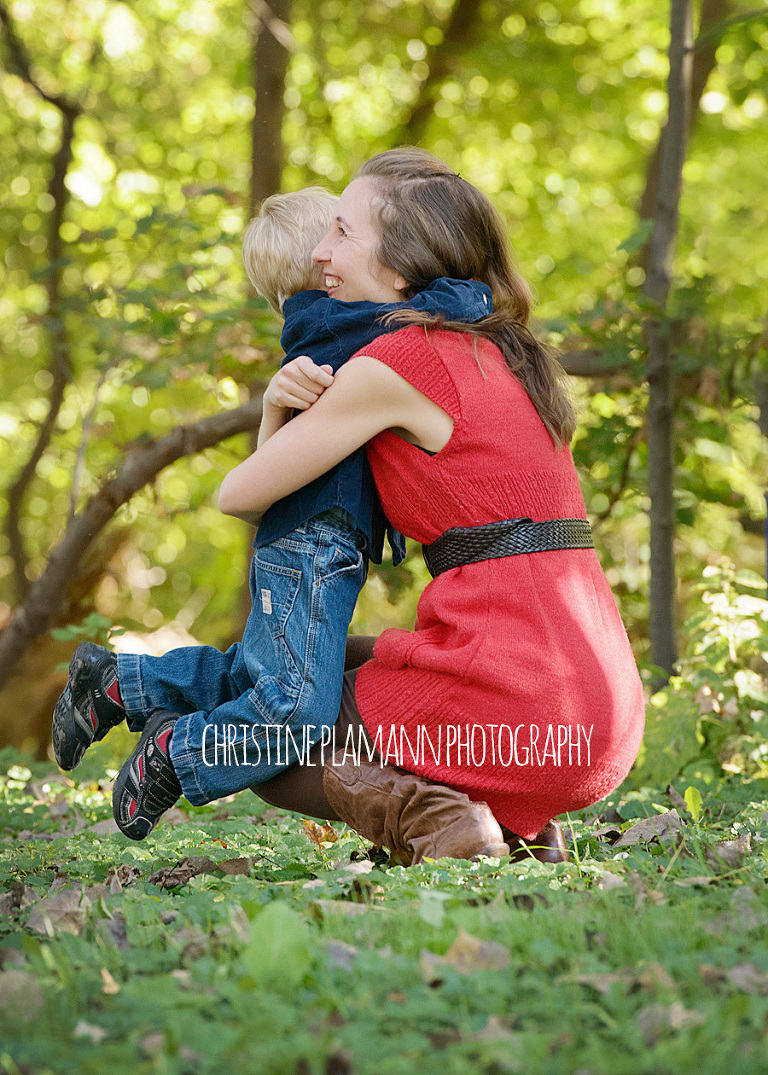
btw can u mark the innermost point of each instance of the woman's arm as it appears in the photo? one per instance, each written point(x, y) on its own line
point(366, 397)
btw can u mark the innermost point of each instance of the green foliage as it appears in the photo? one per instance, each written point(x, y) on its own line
point(310, 961)
point(693, 801)
point(151, 294)
point(712, 716)
point(94, 628)
point(277, 954)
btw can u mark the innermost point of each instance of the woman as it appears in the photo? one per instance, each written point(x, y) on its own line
point(516, 697)
point(518, 686)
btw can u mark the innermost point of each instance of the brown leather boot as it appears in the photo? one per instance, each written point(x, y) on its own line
point(413, 817)
point(548, 846)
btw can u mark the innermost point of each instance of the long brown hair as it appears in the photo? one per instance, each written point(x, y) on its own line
point(433, 223)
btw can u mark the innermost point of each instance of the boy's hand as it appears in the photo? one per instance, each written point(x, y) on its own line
point(298, 384)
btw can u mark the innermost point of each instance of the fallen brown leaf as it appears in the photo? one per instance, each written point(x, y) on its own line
point(183, 872)
point(114, 929)
point(610, 880)
point(525, 901)
point(468, 954)
point(712, 975)
point(690, 882)
point(108, 984)
point(119, 877)
point(65, 911)
point(655, 1019)
point(747, 912)
point(152, 1043)
point(749, 978)
point(659, 827)
point(611, 833)
point(644, 892)
point(729, 854)
point(431, 967)
point(649, 977)
point(17, 898)
point(236, 867)
point(10, 958)
point(677, 799)
point(193, 942)
point(320, 835)
point(441, 1039)
point(654, 976)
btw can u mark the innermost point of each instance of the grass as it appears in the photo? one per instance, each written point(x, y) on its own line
point(648, 959)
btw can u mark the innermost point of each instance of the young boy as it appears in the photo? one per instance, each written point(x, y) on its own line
point(211, 721)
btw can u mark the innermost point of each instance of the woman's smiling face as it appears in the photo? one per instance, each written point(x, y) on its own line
point(347, 253)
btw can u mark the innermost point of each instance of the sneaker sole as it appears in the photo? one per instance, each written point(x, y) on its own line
point(136, 828)
point(68, 748)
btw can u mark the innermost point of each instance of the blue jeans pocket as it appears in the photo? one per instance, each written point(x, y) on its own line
point(344, 560)
point(277, 589)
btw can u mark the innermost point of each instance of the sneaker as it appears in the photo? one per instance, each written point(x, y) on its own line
point(89, 705)
point(147, 785)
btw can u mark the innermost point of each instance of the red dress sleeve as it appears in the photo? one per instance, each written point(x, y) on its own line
point(410, 352)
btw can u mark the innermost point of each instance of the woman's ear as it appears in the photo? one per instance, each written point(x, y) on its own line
point(400, 284)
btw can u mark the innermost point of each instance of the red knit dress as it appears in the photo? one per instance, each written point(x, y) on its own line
point(518, 684)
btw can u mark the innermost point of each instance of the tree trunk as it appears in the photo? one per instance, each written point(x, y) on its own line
point(270, 64)
point(661, 461)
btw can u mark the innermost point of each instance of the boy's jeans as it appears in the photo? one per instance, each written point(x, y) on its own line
point(286, 673)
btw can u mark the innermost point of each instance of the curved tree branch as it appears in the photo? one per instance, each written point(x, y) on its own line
point(46, 597)
point(589, 362)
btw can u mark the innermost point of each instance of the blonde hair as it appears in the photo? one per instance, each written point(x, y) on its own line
point(433, 223)
point(278, 243)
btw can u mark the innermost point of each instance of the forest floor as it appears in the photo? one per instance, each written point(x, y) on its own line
point(241, 939)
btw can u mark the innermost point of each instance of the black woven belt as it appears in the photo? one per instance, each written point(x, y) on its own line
point(510, 537)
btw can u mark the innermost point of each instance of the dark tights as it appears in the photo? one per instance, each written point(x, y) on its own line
point(300, 787)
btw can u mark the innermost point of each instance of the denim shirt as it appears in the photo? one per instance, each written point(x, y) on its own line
point(330, 332)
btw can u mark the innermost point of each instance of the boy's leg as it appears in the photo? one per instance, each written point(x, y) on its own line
point(105, 688)
point(190, 679)
point(182, 681)
point(306, 587)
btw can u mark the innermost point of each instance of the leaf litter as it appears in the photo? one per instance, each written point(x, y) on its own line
point(261, 915)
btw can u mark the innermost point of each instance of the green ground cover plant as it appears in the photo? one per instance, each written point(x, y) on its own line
point(243, 939)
